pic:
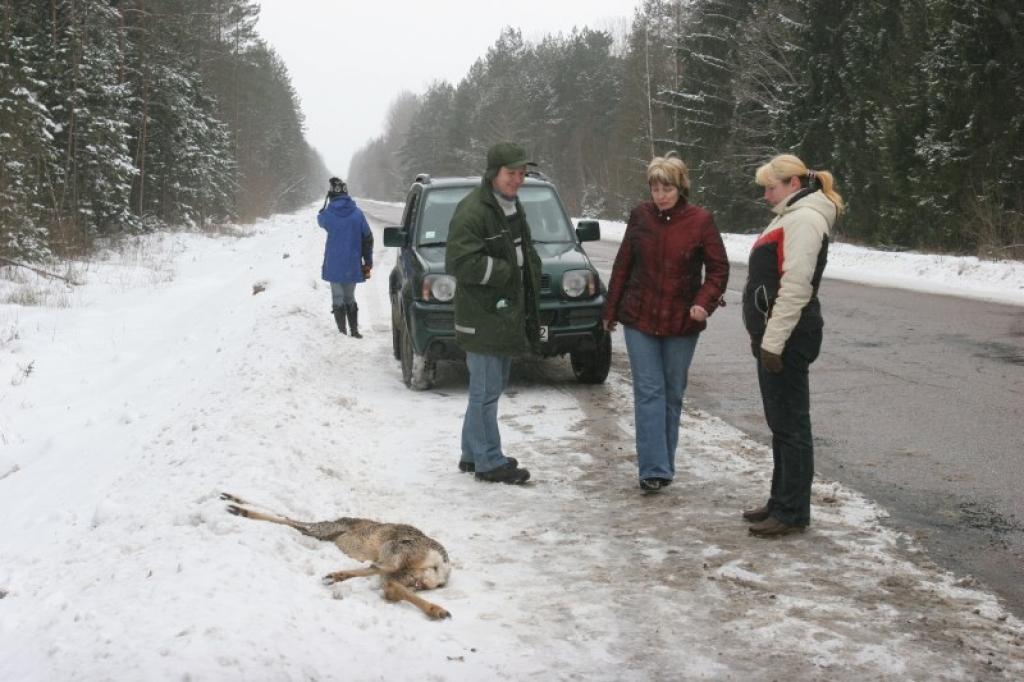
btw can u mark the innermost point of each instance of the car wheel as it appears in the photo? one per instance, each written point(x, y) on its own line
point(418, 372)
point(396, 340)
point(396, 331)
point(591, 366)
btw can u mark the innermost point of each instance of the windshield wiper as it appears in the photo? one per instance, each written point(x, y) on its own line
point(432, 243)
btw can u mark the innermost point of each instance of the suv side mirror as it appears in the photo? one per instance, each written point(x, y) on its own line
point(395, 236)
point(588, 231)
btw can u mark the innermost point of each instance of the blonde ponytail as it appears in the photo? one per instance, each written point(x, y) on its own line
point(785, 166)
point(828, 187)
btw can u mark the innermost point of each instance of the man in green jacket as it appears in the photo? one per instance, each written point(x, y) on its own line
point(491, 255)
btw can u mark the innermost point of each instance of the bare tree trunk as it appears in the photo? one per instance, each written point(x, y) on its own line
point(650, 95)
point(677, 71)
point(53, 24)
point(36, 270)
point(122, 45)
point(8, 13)
point(71, 159)
point(238, 129)
point(140, 151)
point(7, 55)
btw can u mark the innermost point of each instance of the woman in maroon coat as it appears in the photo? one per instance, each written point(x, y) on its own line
point(669, 276)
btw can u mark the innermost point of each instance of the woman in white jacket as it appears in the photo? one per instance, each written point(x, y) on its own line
point(782, 314)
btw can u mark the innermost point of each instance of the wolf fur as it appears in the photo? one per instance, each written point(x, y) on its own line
point(403, 557)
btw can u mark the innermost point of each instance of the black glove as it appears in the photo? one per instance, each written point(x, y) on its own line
point(771, 362)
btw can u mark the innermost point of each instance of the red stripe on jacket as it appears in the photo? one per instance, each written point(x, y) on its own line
point(778, 236)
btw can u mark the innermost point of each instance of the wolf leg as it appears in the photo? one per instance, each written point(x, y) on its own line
point(238, 510)
point(338, 576)
point(396, 591)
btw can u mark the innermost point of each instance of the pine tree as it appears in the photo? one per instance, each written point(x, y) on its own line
point(640, 124)
point(430, 145)
point(575, 99)
point(972, 181)
point(26, 132)
point(139, 114)
point(770, 75)
point(500, 113)
point(98, 103)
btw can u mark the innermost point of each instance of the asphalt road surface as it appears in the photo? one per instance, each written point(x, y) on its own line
point(917, 401)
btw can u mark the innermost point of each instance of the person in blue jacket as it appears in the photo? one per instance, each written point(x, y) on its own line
point(348, 254)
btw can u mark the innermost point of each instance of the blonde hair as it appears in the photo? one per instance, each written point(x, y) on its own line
point(785, 166)
point(670, 170)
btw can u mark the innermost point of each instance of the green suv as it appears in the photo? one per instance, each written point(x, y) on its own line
point(422, 311)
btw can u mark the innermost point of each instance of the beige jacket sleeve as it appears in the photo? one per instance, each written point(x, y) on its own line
point(804, 231)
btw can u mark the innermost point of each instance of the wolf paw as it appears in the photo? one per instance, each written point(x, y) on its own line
point(437, 613)
point(236, 510)
point(335, 577)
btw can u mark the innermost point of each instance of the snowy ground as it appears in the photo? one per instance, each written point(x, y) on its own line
point(129, 403)
point(965, 276)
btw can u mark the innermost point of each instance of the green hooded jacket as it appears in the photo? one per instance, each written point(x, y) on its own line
point(496, 301)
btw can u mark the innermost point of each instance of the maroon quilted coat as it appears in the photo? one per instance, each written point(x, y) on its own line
point(668, 261)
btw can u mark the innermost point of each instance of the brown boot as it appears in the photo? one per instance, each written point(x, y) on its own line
point(772, 527)
point(756, 515)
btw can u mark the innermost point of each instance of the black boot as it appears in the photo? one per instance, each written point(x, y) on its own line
point(353, 320)
point(339, 318)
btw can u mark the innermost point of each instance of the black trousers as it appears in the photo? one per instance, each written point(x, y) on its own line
point(787, 409)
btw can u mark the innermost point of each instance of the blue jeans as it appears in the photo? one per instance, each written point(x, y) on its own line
point(660, 365)
point(481, 442)
point(343, 295)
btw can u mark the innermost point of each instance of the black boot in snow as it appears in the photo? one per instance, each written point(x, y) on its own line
point(353, 320)
point(339, 318)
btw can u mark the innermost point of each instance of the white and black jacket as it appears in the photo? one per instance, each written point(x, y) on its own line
point(785, 268)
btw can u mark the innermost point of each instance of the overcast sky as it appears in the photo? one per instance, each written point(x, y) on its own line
point(349, 60)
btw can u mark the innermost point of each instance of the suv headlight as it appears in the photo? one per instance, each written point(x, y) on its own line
point(579, 283)
point(438, 288)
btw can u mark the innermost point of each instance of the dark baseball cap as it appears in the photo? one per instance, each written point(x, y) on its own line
point(507, 154)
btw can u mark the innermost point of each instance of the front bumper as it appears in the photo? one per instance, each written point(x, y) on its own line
point(571, 325)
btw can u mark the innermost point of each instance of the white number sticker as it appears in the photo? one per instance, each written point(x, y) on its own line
point(544, 333)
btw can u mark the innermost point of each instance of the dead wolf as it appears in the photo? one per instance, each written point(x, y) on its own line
point(403, 557)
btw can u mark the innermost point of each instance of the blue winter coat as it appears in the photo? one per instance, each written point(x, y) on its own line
point(349, 241)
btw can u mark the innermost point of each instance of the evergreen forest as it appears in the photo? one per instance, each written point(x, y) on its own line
point(915, 106)
point(124, 116)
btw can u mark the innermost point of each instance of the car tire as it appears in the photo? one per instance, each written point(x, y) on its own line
point(396, 330)
point(591, 366)
point(396, 340)
point(418, 372)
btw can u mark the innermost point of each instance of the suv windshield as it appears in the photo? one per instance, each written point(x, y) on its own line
point(544, 213)
point(438, 208)
point(548, 224)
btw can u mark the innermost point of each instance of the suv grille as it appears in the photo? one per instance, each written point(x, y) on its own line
point(570, 318)
point(545, 283)
point(443, 321)
point(584, 316)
